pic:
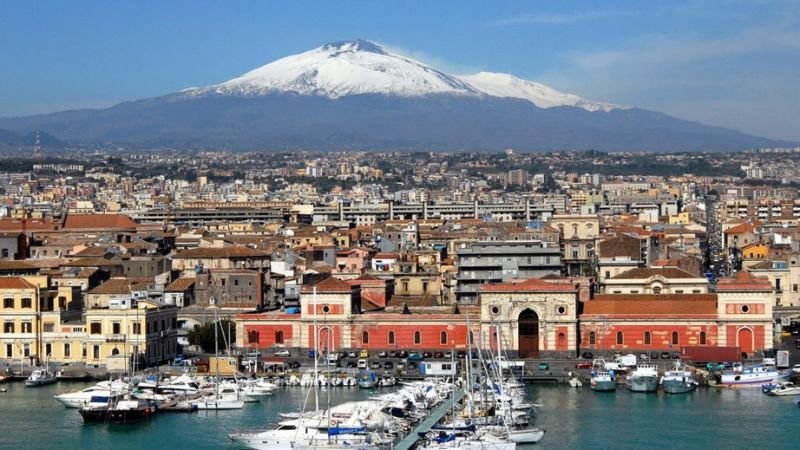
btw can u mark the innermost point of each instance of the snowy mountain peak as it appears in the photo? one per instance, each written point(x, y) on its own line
point(506, 85)
point(356, 67)
point(361, 45)
point(342, 68)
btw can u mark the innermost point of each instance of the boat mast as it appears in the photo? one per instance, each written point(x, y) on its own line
point(316, 352)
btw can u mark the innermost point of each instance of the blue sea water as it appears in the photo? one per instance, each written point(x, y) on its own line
point(574, 419)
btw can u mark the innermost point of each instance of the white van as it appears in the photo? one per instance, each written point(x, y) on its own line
point(362, 364)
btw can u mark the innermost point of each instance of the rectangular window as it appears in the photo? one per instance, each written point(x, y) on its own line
point(27, 327)
point(8, 327)
point(115, 328)
point(8, 303)
point(9, 350)
point(137, 328)
point(96, 351)
point(67, 351)
point(48, 327)
point(27, 303)
point(95, 328)
point(48, 349)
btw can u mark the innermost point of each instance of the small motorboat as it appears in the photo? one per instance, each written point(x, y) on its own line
point(130, 411)
point(40, 377)
point(784, 388)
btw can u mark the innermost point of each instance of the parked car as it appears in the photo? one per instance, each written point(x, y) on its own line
point(676, 355)
point(351, 364)
point(643, 356)
point(427, 355)
point(438, 355)
point(461, 354)
point(665, 355)
point(388, 365)
point(343, 355)
point(411, 365)
point(653, 355)
point(352, 355)
point(587, 355)
point(583, 365)
point(364, 353)
point(294, 364)
point(375, 365)
point(283, 353)
point(544, 366)
point(362, 363)
point(400, 365)
point(382, 354)
point(796, 368)
point(414, 356)
point(393, 354)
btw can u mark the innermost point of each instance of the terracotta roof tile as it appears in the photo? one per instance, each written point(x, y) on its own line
point(15, 283)
point(96, 221)
point(180, 285)
point(647, 272)
point(330, 284)
point(744, 281)
point(223, 252)
point(651, 305)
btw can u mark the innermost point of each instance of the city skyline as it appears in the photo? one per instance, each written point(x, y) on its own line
point(683, 59)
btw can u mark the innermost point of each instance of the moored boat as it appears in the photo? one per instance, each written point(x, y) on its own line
point(679, 380)
point(602, 380)
point(643, 379)
point(753, 376)
point(40, 377)
point(130, 411)
point(781, 389)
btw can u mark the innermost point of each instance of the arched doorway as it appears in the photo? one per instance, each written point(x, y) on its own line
point(745, 338)
point(528, 322)
point(327, 340)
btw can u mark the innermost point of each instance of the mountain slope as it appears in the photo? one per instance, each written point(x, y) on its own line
point(356, 95)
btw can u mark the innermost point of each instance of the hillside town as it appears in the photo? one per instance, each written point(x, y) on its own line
point(102, 263)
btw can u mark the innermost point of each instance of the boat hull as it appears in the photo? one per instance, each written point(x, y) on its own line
point(678, 386)
point(526, 436)
point(126, 416)
point(41, 382)
point(603, 385)
point(648, 383)
point(94, 415)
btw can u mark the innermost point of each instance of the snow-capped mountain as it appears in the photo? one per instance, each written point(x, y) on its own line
point(343, 68)
point(506, 85)
point(358, 95)
point(360, 67)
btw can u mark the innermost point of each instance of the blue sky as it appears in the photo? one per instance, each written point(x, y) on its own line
point(730, 63)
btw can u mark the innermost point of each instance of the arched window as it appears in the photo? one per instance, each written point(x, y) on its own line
point(592, 338)
point(646, 338)
point(656, 289)
point(443, 338)
point(417, 338)
point(391, 338)
point(278, 337)
point(365, 337)
point(115, 352)
point(702, 338)
point(674, 338)
point(620, 338)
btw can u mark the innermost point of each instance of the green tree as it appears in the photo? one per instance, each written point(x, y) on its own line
point(203, 335)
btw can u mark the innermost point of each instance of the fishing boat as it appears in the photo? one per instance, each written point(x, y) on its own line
point(679, 380)
point(602, 380)
point(40, 377)
point(643, 379)
point(753, 376)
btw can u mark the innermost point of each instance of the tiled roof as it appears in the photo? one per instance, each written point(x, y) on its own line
point(16, 265)
point(647, 272)
point(529, 285)
point(329, 285)
point(743, 228)
point(96, 221)
point(651, 305)
point(121, 285)
point(744, 281)
point(180, 285)
point(223, 252)
point(15, 283)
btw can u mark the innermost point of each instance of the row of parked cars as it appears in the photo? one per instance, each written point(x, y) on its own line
point(364, 354)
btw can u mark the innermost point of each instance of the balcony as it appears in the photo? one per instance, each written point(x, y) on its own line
point(116, 338)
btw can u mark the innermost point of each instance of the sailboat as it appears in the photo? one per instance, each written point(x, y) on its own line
point(229, 399)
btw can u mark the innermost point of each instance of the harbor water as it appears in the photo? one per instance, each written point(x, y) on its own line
point(574, 419)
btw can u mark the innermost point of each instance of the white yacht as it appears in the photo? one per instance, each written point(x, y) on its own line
point(79, 399)
point(306, 434)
